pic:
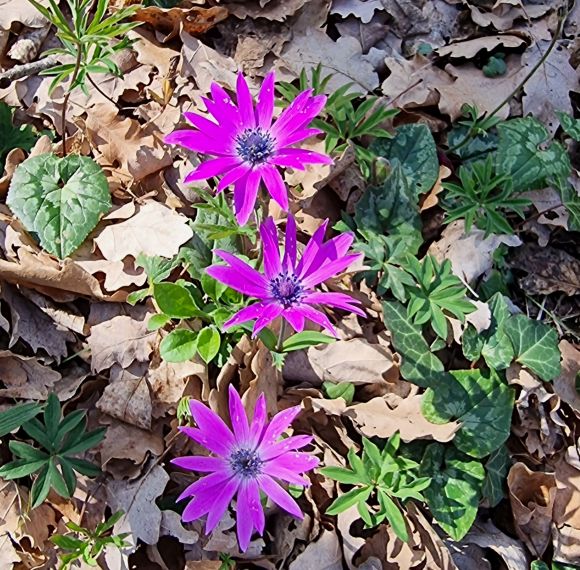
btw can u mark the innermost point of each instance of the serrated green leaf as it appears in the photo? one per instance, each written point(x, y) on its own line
point(526, 154)
point(455, 490)
point(419, 365)
point(535, 346)
point(413, 147)
point(483, 405)
point(59, 200)
point(208, 343)
point(305, 339)
point(179, 345)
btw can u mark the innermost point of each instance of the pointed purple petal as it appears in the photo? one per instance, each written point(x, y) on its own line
point(245, 195)
point(246, 314)
point(284, 446)
point(265, 104)
point(259, 420)
point(274, 470)
point(338, 300)
point(198, 142)
point(275, 186)
point(317, 317)
point(220, 502)
point(295, 318)
point(245, 104)
point(233, 176)
point(280, 422)
point(212, 426)
point(293, 137)
point(205, 485)
point(211, 168)
point(209, 128)
point(279, 496)
point(311, 249)
point(255, 505)
point(296, 461)
point(269, 235)
point(328, 270)
point(244, 521)
point(271, 311)
point(304, 156)
point(287, 162)
point(291, 113)
point(289, 261)
point(240, 276)
point(238, 416)
point(199, 463)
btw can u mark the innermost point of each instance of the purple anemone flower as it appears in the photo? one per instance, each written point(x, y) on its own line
point(247, 460)
point(287, 287)
point(247, 146)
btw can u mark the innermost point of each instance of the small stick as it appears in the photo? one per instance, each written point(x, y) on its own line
point(27, 69)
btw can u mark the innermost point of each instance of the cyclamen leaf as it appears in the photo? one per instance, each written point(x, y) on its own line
point(535, 345)
point(59, 200)
point(496, 468)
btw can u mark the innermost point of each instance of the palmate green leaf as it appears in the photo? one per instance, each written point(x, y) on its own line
point(179, 345)
point(21, 468)
point(496, 469)
point(59, 200)
point(350, 498)
point(175, 301)
point(40, 487)
point(535, 346)
point(526, 154)
point(483, 405)
point(413, 147)
point(17, 415)
point(455, 490)
point(419, 365)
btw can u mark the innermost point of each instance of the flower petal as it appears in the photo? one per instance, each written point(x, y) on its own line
point(295, 318)
point(211, 168)
point(265, 104)
point(294, 137)
point(244, 315)
point(197, 142)
point(245, 103)
point(233, 176)
point(279, 496)
point(205, 485)
point(258, 421)
point(245, 524)
point(338, 300)
point(199, 463)
point(221, 501)
point(256, 509)
point(271, 311)
point(285, 445)
point(212, 426)
point(280, 422)
point(328, 270)
point(287, 162)
point(270, 247)
point(304, 156)
point(311, 249)
point(242, 277)
point(238, 416)
point(289, 261)
point(298, 462)
point(280, 472)
point(317, 317)
point(275, 186)
point(245, 195)
point(209, 128)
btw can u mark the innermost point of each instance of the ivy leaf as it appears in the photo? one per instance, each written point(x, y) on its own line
point(455, 489)
point(496, 469)
point(535, 345)
point(60, 200)
point(526, 155)
point(12, 137)
point(481, 402)
point(413, 147)
point(419, 364)
point(178, 346)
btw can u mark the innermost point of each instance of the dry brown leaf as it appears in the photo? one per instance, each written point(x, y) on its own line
point(16, 11)
point(322, 554)
point(278, 10)
point(118, 274)
point(25, 377)
point(532, 496)
point(549, 270)
point(471, 254)
point(364, 10)
point(431, 199)
point(142, 516)
point(377, 419)
point(120, 340)
point(549, 200)
point(343, 59)
point(503, 14)
point(565, 383)
point(354, 361)
point(170, 21)
point(154, 230)
point(470, 48)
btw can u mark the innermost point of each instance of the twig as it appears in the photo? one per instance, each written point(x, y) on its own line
point(27, 69)
point(94, 84)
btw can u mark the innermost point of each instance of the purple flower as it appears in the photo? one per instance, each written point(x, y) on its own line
point(248, 147)
point(287, 287)
point(247, 460)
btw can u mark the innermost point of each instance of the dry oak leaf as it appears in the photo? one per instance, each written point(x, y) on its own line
point(532, 496)
point(565, 384)
point(142, 516)
point(170, 21)
point(17, 11)
point(376, 418)
point(364, 10)
point(25, 377)
point(154, 230)
point(277, 10)
point(120, 340)
point(470, 48)
point(355, 361)
point(549, 270)
point(124, 142)
point(342, 59)
point(323, 554)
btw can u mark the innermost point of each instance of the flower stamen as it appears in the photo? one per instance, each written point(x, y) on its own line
point(287, 289)
point(254, 146)
point(246, 463)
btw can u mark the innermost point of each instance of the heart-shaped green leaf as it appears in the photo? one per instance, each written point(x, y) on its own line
point(179, 345)
point(208, 343)
point(59, 200)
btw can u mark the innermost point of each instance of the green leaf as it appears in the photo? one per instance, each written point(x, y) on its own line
point(208, 343)
point(27, 452)
point(344, 390)
point(157, 321)
point(40, 487)
point(60, 200)
point(495, 67)
point(52, 416)
point(570, 125)
point(12, 137)
point(84, 467)
point(175, 301)
point(535, 345)
point(340, 504)
point(179, 345)
point(394, 515)
point(483, 405)
point(455, 489)
point(157, 268)
point(305, 339)
point(66, 542)
point(18, 469)
point(413, 147)
point(342, 475)
point(17, 415)
point(496, 469)
point(419, 365)
point(89, 439)
point(526, 154)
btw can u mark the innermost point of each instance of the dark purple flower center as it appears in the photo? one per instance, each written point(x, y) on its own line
point(255, 146)
point(246, 463)
point(286, 289)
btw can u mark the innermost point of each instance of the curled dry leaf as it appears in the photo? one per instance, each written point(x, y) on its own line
point(470, 48)
point(25, 377)
point(565, 383)
point(532, 496)
point(154, 230)
point(324, 553)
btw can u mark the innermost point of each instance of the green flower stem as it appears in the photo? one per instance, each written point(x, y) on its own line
point(67, 96)
point(281, 335)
